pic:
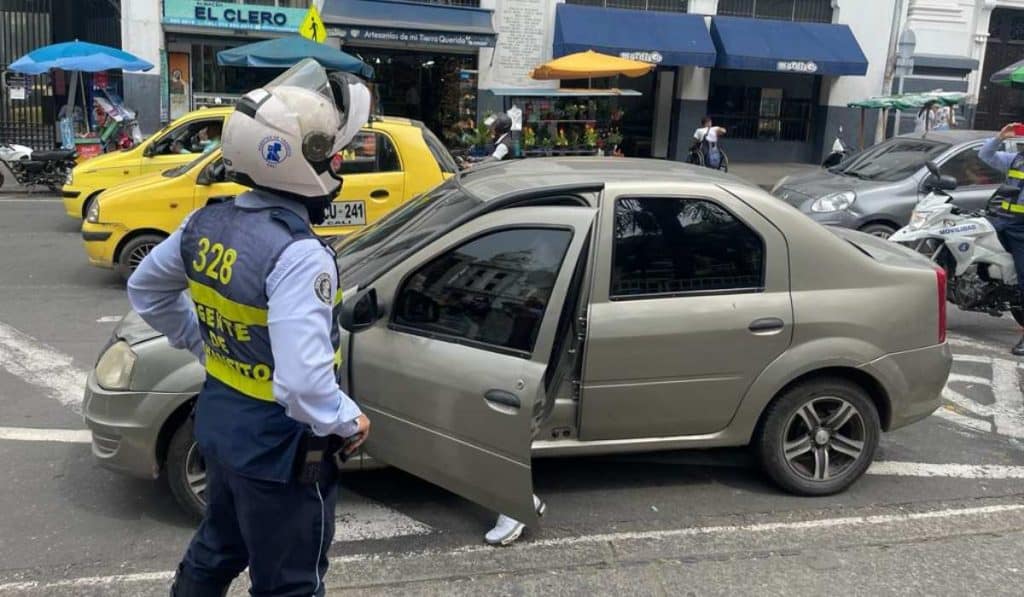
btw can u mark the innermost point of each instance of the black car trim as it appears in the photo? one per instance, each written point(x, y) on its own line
point(95, 236)
point(70, 194)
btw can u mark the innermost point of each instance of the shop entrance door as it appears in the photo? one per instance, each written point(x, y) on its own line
point(999, 105)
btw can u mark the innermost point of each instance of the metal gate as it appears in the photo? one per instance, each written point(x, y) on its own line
point(24, 26)
point(999, 105)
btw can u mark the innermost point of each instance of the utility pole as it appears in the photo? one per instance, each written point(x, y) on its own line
point(890, 66)
point(904, 65)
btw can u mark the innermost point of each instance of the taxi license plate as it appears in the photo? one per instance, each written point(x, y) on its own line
point(346, 213)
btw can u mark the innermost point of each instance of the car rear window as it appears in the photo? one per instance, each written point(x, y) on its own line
point(441, 155)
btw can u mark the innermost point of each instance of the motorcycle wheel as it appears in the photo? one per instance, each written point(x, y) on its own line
point(1018, 315)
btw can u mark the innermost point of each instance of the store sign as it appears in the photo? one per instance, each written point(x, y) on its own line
point(409, 37)
point(651, 57)
point(232, 15)
point(797, 66)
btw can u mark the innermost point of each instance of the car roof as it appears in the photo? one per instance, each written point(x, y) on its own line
point(951, 136)
point(490, 181)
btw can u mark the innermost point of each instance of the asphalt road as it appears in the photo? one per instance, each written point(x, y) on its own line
point(941, 512)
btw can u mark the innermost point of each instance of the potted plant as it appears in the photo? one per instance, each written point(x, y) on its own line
point(590, 137)
point(614, 141)
point(529, 137)
point(561, 140)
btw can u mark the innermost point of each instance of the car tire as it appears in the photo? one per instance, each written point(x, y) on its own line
point(186, 473)
point(818, 437)
point(879, 230)
point(1018, 316)
point(134, 251)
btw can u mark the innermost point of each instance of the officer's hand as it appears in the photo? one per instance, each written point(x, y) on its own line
point(360, 436)
point(1007, 131)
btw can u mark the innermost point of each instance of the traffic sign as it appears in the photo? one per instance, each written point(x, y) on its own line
point(312, 26)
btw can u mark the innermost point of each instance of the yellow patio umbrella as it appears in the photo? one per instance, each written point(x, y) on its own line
point(589, 64)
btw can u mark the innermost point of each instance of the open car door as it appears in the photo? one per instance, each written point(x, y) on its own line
point(452, 347)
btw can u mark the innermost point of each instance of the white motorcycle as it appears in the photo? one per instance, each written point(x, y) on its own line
point(980, 272)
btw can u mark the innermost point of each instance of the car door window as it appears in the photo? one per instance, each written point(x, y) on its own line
point(196, 137)
point(667, 246)
point(369, 152)
point(969, 171)
point(490, 291)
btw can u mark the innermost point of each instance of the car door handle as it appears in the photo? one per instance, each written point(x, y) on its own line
point(766, 325)
point(380, 194)
point(503, 398)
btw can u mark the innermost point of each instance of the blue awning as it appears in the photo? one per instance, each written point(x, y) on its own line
point(663, 38)
point(408, 23)
point(786, 46)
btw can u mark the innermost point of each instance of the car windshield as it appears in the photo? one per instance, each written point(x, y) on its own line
point(363, 256)
point(891, 161)
point(179, 170)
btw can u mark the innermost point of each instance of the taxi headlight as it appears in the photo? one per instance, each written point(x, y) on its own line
point(93, 215)
point(114, 369)
point(71, 176)
point(834, 202)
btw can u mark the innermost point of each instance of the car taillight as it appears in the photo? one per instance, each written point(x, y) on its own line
point(940, 280)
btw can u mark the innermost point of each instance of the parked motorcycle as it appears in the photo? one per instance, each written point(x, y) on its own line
point(36, 168)
point(980, 273)
point(839, 151)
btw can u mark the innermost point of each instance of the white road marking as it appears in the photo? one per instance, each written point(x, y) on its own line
point(30, 434)
point(43, 366)
point(949, 471)
point(563, 542)
point(109, 319)
point(963, 420)
point(360, 519)
point(1006, 416)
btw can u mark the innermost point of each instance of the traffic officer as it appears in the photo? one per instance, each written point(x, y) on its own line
point(262, 316)
point(1009, 204)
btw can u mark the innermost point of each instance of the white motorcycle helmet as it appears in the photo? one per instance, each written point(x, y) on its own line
point(282, 136)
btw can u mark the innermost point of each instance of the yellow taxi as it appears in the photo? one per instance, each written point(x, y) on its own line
point(390, 161)
point(178, 143)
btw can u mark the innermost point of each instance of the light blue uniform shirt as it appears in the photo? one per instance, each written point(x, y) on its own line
point(991, 155)
point(299, 322)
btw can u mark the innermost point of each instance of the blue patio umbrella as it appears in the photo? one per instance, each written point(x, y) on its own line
point(78, 56)
point(284, 52)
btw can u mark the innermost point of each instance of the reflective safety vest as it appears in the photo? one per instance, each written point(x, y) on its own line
point(228, 252)
point(1014, 178)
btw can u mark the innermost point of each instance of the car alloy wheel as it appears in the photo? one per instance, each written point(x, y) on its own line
point(824, 438)
point(818, 436)
point(195, 473)
point(138, 254)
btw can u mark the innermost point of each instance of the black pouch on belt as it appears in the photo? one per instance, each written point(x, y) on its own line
point(310, 458)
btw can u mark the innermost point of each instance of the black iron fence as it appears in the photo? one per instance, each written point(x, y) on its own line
point(26, 102)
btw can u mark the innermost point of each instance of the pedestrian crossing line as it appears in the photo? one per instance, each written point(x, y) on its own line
point(31, 434)
point(947, 471)
point(40, 365)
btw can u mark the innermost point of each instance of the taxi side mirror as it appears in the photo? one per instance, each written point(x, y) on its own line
point(150, 150)
point(361, 312)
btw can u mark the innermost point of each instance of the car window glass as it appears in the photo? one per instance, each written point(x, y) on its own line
point(669, 246)
point(491, 290)
point(893, 160)
point(968, 169)
point(369, 152)
point(197, 137)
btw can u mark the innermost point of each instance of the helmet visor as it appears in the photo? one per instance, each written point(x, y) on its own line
point(307, 74)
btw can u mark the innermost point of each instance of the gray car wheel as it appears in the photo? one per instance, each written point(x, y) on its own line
point(186, 471)
point(879, 230)
point(819, 437)
point(134, 252)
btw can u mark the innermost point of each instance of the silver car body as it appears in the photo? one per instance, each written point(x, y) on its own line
point(684, 370)
point(887, 205)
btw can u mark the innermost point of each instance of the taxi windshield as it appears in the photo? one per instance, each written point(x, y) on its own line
point(364, 256)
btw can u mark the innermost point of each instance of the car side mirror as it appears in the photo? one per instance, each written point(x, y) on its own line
point(941, 182)
point(150, 150)
point(361, 312)
point(415, 307)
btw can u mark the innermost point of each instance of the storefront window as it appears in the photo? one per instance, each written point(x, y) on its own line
point(658, 5)
point(210, 79)
point(770, 106)
point(812, 11)
point(437, 89)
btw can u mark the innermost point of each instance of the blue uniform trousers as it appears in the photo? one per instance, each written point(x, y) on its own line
point(281, 531)
point(1011, 235)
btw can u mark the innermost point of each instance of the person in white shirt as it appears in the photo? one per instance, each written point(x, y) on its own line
point(706, 142)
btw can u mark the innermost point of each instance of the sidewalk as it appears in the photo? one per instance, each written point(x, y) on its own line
point(766, 175)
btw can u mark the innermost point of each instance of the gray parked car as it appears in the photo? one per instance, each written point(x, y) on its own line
point(875, 191)
point(596, 306)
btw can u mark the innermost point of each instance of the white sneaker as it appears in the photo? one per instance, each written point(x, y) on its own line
point(506, 530)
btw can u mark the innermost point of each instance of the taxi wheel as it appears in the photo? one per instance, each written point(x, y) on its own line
point(186, 471)
point(134, 251)
point(819, 437)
